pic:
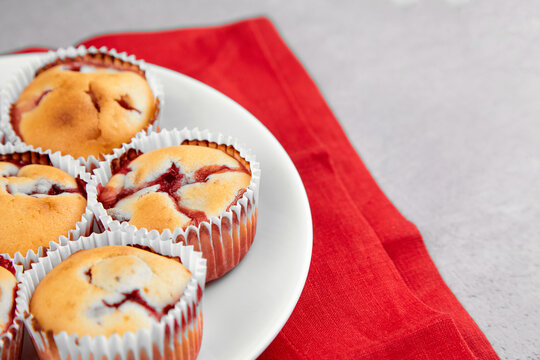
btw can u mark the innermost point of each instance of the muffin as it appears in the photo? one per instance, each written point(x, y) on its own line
point(85, 105)
point(175, 187)
point(116, 295)
point(108, 290)
point(197, 191)
point(11, 331)
point(39, 202)
point(8, 293)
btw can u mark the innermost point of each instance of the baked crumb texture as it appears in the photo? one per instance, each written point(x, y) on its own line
point(131, 297)
point(84, 106)
point(108, 290)
point(185, 190)
point(39, 203)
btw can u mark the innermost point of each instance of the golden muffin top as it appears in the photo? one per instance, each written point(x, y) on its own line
point(108, 290)
point(175, 187)
point(39, 203)
point(83, 108)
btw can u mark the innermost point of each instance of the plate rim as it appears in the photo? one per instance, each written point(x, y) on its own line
point(309, 226)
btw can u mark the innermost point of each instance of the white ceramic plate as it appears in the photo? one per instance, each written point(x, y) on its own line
point(244, 310)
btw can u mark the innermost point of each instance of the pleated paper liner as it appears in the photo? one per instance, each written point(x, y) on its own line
point(177, 335)
point(11, 339)
point(224, 240)
point(19, 81)
point(2, 135)
point(24, 155)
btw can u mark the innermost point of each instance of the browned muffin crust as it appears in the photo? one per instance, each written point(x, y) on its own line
point(83, 106)
point(39, 202)
point(174, 187)
point(108, 290)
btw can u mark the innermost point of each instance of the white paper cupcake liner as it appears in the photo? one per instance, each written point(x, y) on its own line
point(84, 226)
point(11, 339)
point(176, 336)
point(2, 135)
point(10, 93)
point(224, 240)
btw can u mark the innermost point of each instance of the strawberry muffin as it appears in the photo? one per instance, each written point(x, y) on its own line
point(84, 106)
point(39, 203)
point(199, 192)
point(115, 295)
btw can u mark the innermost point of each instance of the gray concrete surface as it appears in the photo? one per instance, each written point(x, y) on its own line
point(440, 98)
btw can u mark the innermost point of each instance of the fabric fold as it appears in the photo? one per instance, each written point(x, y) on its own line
point(372, 291)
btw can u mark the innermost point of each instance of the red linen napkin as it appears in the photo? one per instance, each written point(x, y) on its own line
point(372, 291)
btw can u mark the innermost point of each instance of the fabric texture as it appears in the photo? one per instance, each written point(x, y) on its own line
point(372, 291)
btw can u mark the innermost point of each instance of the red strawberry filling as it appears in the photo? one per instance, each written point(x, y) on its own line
point(135, 297)
point(126, 103)
point(170, 182)
point(77, 64)
point(16, 112)
point(54, 189)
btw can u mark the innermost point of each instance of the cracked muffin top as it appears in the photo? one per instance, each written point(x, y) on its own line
point(175, 187)
point(108, 290)
point(8, 287)
point(84, 107)
point(39, 203)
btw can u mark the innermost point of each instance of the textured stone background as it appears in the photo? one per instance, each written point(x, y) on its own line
point(440, 98)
